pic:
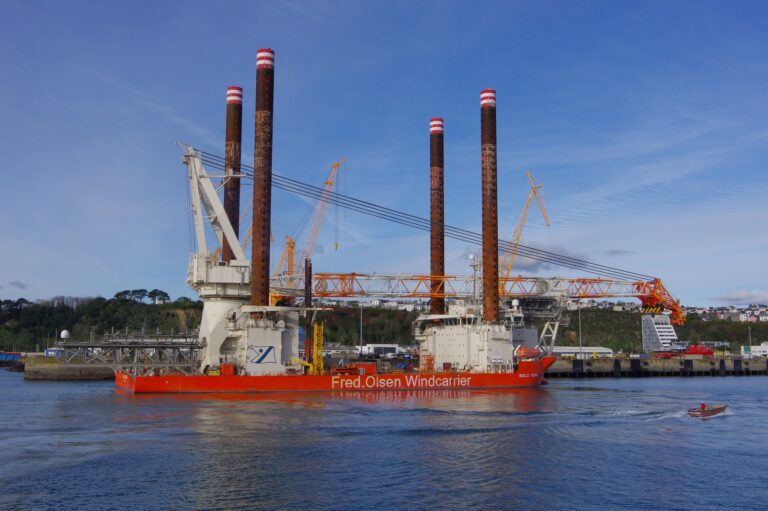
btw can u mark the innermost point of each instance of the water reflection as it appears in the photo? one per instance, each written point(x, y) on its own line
point(516, 448)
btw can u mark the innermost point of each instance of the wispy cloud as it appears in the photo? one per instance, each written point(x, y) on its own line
point(149, 102)
point(18, 284)
point(743, 297)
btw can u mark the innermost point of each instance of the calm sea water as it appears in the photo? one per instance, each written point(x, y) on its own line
point(599, 444)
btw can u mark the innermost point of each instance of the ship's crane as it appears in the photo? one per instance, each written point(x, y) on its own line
point(613, 282)
point(509, 258)
point(246, 239)
point(322, 208)
point(652, 294)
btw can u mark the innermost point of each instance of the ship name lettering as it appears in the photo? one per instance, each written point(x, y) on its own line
point(396, 382)
point(337, 382)
point(415, 381)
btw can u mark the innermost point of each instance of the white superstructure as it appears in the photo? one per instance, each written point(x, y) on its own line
point(461, 340)
point(229, 330)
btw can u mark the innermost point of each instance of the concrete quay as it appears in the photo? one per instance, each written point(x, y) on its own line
point(641, 367)
point(68, 372)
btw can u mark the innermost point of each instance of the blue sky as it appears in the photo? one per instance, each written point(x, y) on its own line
point(645, 122)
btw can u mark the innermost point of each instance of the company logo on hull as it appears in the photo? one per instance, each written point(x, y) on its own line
point(261, 355)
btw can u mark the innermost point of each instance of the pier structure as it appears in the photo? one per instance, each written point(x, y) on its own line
point(98, 360)
point(612, 367)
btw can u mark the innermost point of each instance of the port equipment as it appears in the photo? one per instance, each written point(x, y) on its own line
point(376, 285)
point(136, 355)
point(287, 258)
point(287, 262)
point(508, 259)
point(316, 364)
point(611, 281)
point(320, 211)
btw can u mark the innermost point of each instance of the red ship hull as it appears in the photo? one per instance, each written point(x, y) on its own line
point(529, 373)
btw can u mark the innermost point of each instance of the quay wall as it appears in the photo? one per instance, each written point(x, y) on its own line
point(64, 372)
point(641, 367)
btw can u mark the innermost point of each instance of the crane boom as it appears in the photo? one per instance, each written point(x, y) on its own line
point(322, 208)
point(509, 259)
point(651, 293)
point(287, 258)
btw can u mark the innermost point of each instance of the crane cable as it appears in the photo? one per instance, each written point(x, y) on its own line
point(402, 218)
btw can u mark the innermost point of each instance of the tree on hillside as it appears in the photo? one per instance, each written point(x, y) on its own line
point(123, 295)
point(138, 295)
point(158, 296)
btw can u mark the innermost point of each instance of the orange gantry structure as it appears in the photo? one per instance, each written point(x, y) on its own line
point(652, 293)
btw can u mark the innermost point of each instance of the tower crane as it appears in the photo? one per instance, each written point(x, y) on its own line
point(509, 259)
point(322, 208)
point(287, 258)
point(287, 261)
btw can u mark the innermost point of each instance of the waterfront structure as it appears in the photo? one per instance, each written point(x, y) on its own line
point(582, 352)
point(658, 333)
point(761, 350)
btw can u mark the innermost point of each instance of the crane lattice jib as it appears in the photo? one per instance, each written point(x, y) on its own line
point(287, 258)
point(508, 259)
point(322, 208)
point(359, 285)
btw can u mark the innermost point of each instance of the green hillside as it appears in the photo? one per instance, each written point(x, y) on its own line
point(622, 330)
point(24, 324)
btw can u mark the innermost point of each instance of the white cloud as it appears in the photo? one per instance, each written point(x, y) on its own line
point(743, 297)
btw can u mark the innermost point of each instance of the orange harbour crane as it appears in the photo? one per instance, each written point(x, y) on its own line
point(287, 258)
point(652, 294)
point(286, 265)
point(320, 211)
point(509, 258)
point(287, 262)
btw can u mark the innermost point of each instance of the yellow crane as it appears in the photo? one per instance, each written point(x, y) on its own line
point(287, 258)
point(509, 259)
point(316, 365)
point(287, 261)
point(322, 208)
